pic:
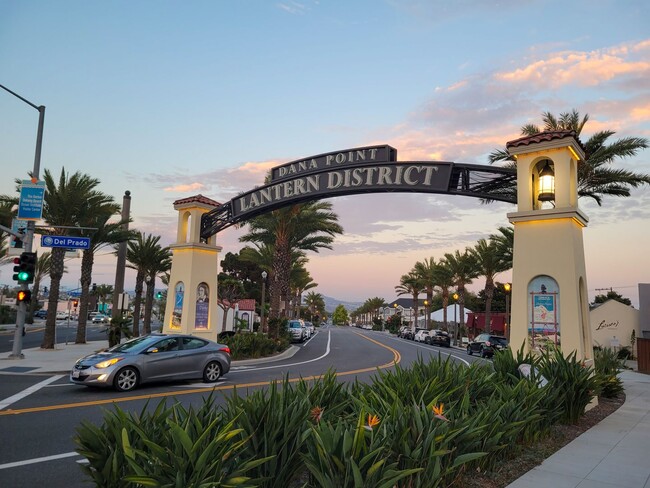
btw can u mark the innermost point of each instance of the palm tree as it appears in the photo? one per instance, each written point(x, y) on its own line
point(489, 262)
point(426, 271)
point(64, 206)
point(104, 293)
point(315, 303)
point(160, 263)
point(301, 281)
point(463, 269)
point(505, 241)
point(7, 213)
point(43, 265)
point(104, 233)
point(444, 280)
point(410, 284)
point(307, 226)
point(595, 178)
point(140, 254)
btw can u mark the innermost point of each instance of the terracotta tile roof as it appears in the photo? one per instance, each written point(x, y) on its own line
point(197, 198)
point(544, 136)
point(244, 303)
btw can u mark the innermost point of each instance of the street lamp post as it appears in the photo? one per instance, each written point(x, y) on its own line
point(455, 296)
point(426, 311)
point(264, 275)
point(16, 352)
point(507, 287)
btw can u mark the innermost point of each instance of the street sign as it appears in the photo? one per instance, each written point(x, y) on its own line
point(67, 242)
point(30, 205)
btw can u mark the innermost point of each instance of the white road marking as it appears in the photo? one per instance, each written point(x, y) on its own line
point(19, 396)
point(17, 464)
point(327, 351)
point(428, 348)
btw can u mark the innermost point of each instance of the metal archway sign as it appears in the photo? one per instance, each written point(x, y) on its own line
point(371, 169)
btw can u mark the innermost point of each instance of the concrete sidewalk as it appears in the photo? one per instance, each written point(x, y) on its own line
point(61, 359)
point(613, 454)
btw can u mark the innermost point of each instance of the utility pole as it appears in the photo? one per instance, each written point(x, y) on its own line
point(118, 288)
point(16, 352)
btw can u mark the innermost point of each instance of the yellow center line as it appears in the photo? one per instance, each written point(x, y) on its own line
point(396, 359)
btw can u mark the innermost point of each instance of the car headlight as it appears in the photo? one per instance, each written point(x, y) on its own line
point(107, 363)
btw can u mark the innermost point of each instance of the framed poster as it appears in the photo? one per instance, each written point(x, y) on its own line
point(177, 314)
point(543, 313)
point(202, 306)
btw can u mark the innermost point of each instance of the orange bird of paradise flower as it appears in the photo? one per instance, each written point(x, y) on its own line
point(438, 412)
point(373, 421)
point(316, 414)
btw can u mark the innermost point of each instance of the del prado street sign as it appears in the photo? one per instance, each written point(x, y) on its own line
point(67, 242)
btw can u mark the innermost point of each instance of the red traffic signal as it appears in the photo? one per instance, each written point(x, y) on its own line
point(24, 296)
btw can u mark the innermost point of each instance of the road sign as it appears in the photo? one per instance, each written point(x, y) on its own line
point(30, 205)
point(67, 242)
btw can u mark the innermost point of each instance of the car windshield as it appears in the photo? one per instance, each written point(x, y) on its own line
point(135, 344)
point(294, 325)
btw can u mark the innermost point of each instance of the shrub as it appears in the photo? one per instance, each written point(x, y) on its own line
point(607, 366)
point(625, 353)
point(167, 447)
point(571, 385)
point(254, 345)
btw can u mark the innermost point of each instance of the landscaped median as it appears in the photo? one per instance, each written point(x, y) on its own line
point(418, 427)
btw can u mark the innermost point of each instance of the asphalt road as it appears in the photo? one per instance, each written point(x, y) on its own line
point(65, 333)
point(38, 430)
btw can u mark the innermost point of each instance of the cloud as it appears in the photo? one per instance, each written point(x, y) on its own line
point(294, 8)
point(581, 69)
point(184, 188)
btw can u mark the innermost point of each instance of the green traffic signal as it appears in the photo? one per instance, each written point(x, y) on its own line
point(25, 267)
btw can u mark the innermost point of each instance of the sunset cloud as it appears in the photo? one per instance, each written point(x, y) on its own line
point(185, 188)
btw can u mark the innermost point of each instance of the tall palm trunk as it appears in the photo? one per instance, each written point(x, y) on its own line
point(34, 301)
point(56, 273)
point(445, 304)
point(489, 293)
point(87, 260)
point(148, 305)
point(137, 302)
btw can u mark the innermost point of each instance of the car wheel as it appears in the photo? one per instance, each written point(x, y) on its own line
point(212, 372)
point(126, 379)
point(469, 350)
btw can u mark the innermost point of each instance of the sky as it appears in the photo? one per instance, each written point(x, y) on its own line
point(170, 99)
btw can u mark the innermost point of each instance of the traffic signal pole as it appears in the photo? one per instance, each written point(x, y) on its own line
point(16, 352)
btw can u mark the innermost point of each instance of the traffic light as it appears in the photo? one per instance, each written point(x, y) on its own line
point(25, 267)
point(75, 303)
point(24, 296)
point(159, 295)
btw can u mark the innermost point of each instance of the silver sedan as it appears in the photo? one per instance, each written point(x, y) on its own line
point(154, 357)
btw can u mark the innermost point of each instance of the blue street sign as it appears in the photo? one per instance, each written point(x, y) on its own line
point(30, 205)
point(68, 242)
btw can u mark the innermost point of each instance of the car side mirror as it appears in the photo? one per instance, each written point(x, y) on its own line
point(152, 350)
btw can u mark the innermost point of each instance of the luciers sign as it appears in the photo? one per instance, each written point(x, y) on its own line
point(365, 177)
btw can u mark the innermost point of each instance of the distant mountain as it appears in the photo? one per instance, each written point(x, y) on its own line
point(332, 303)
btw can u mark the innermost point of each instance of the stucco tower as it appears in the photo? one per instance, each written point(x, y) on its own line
point(549, 284)
point(192, 296)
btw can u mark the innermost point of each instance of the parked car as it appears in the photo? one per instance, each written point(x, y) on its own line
point(298, 330)
point(154, 357)
point(100, 319)
point(401, 332)
point(40, 314)
point(486, 344)
point(309, 326)
point(62, 315)
point(438, 338)
point(421, 335)
point(410, 334)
